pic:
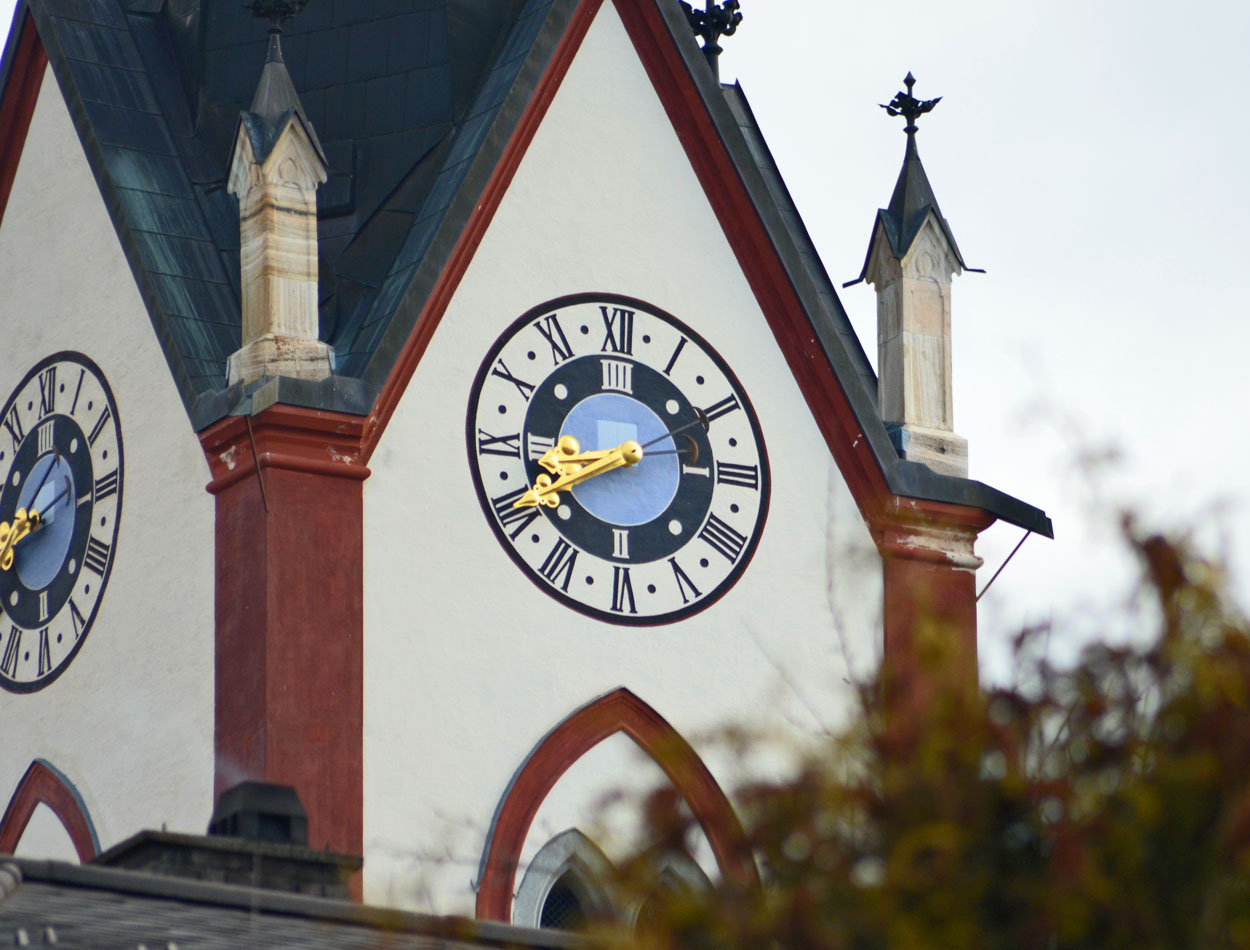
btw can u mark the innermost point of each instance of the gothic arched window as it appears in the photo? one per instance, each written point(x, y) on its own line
point(565, 887)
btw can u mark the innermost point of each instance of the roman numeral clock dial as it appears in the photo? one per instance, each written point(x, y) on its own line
point(60, 503)
point(617, 459)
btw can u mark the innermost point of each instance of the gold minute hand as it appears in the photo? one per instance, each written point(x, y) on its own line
point(573, 467)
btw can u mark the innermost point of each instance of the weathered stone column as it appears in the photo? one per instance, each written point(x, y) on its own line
point(914, 348)
point(275, 172)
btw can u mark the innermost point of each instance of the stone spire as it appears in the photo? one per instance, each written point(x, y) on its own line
point(275, 171)
point(911, 259)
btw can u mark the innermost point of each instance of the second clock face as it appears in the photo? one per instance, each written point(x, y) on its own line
point(60, 456)
point(645, 543)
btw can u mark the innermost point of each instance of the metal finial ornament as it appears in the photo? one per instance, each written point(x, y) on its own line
point(711, 23)
point(909, 107)
point(275, 11)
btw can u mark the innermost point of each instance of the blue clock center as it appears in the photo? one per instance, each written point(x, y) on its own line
point(628, 496)
point(43, 552)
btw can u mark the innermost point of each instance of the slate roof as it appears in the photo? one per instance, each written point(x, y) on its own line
point(76, 907)
point(414, 102)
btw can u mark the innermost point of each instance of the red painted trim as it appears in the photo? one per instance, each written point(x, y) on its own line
point(30, 62)
point(777, 297)
point(287, 437)
point(290, 612)
point(471, 236)
point(619, 711)
point(43, 785)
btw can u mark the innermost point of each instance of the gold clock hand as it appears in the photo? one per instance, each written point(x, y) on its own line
point(23, 524)
point(567, 453)
point(576, 468)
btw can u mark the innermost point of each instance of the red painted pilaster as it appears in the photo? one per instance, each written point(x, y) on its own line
point(930, 610)
point(30, 61)
point(289, 706)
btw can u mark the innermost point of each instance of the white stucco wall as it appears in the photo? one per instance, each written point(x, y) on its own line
point(130, 722)
point(467, 662)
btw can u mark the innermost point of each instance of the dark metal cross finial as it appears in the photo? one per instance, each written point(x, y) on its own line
point(711, 23)
point(275, 11)
point(909, 107)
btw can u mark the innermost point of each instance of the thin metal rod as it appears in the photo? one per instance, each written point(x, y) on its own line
point(256, 460)
point(1004, 564)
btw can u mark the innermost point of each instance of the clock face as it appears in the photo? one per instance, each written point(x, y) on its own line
point(646, 542)
point(60, 456)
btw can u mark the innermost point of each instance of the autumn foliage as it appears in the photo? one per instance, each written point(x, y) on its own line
point(1101, 805)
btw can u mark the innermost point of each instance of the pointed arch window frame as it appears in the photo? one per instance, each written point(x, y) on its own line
point(45, 784)
point(617, 711)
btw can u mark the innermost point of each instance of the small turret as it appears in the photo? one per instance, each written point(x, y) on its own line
point(275, 171)
point(911, 259)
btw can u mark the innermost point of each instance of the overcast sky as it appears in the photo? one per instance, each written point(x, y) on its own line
point(1091, 157)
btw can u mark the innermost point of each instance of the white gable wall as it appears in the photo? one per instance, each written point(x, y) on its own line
point(468, 663)
point(130, 722)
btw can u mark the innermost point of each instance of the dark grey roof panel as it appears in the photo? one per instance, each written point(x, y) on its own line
point(92, 43)
point(473, 150)
point(107, 907)
point(139, 170)
point(123, 88)
point(164, 214)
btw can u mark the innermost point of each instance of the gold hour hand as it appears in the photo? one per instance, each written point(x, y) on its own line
point(571, 467)
point(24, 523)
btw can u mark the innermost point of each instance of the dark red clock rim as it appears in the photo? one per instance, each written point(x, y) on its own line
point(673, 616)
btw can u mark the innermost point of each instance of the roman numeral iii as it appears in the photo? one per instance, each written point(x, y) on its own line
point(747, 476)
point(96, 557)
point(723, 538)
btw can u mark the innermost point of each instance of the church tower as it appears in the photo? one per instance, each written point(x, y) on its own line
point(493, 436)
